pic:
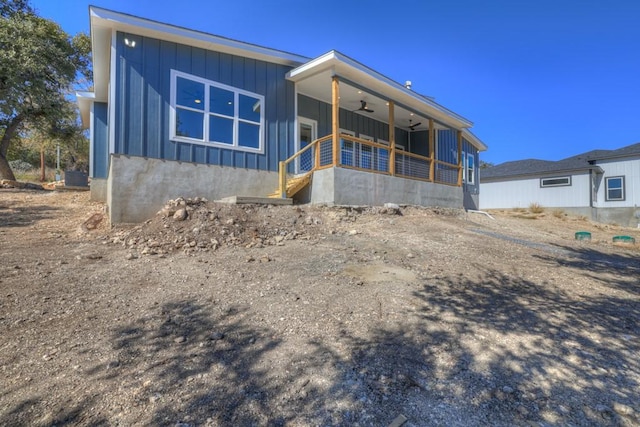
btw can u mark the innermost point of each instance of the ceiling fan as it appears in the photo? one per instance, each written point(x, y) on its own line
point(363, 107)
point(413, 126)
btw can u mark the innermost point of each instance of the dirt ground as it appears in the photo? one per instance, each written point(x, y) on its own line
point(219, 315)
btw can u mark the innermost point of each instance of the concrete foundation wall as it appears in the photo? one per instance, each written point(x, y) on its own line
point(343, 186)
point(98, 190)
point(138, 187)
point(626, 217)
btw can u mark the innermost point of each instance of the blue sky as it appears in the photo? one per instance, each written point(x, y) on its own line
point(542, 79)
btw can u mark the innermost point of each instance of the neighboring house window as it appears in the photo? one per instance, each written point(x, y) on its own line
point(556, 181)
point(211, 113)
point(614, 188)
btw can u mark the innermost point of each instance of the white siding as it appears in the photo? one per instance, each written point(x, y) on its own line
point(630, 169)
point(522, 193)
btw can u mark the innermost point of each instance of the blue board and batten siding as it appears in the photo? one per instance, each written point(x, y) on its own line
point(447, 151)
point(143, 94)
point(100, 137)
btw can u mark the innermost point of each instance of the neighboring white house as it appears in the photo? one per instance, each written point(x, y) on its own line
point(601, 184)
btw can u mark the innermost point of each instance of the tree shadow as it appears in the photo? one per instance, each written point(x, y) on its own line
point(568, 355)
point(30, 413)
point(498, 351)
point(620, 270)
point(12, 216)
point(191, 362)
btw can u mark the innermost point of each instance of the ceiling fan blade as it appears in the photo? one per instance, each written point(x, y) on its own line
point(368, 110)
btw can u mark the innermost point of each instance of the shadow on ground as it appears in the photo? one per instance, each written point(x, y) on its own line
point(620, 270)
point(12, 216)
point(497, 351)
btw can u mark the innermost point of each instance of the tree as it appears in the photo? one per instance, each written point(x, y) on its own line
point(485, 165)
point(39, 64)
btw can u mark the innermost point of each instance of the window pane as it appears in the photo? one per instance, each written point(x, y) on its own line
point(189, 123)
point(249, 135)
point(190, 94)
point(470, 159)
point(550, 182)
point(249, 108)
point(615, 194)
point(615, 182)
point(220, 130)
point(221, 101)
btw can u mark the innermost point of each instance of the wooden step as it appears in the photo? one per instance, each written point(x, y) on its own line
point(293, 185)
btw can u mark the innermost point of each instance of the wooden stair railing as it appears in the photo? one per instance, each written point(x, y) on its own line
point(289, 186)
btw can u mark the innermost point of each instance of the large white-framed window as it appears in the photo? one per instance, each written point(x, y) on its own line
point(614, 188)
point(211, 113)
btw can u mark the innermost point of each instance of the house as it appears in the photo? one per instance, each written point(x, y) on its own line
point(176, 112)
point(603, 185)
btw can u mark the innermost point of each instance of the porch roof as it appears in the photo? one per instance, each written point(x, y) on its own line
point(313, 79)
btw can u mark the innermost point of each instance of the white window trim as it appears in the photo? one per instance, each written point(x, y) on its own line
point(622, 188)
point(465, 168)
point(463, 161)
point(567, 177)
point(236, 119)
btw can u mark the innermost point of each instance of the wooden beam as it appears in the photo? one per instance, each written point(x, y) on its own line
point(282, 180)
point(392, 139)
point(432, 151)
point(335, 117)
point(460, 165)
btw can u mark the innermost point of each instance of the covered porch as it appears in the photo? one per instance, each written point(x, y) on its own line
point(359, 120)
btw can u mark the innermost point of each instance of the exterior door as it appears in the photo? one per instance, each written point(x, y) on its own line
point(307, 133)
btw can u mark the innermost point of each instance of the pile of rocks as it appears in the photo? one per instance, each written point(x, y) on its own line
point(197, 225)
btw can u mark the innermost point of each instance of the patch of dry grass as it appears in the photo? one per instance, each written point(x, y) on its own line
point(536, 208)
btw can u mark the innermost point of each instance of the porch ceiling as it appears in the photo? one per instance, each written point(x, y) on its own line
point(314, 79)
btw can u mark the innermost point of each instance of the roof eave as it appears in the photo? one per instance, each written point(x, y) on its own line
point(597, 169)
point(474, 140)
point(104, 22)
point(85, 100)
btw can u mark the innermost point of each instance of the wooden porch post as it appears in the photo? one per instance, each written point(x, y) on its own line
point(432, 151)
point(460, 165)
point(335, 117)
point(317, 155)
point(392, 139)
point(282, 179)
